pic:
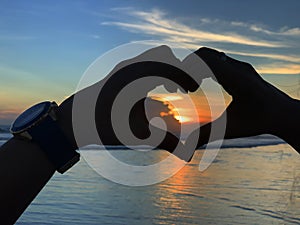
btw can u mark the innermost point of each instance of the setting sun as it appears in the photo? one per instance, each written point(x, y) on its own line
point(183, 108)
point(183, 119)
point(179, 113)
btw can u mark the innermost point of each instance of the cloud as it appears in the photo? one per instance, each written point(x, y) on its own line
point(280, 57)
point(233, 37)
point(293, 32)
point(283, 31)
point(279, 68)
point(238, 24)
point(167, 97)
point(288, 58)
point(95, 36)
point(156, 23)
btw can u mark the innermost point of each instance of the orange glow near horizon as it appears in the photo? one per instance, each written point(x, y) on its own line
point(177, 112)
point(16, 98)
point(185, 113)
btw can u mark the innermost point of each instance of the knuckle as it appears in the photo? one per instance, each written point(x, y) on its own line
point(162, 49)
point(205, 51)
point(248, 66)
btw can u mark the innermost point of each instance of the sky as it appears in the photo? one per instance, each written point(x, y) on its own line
point(45, 46)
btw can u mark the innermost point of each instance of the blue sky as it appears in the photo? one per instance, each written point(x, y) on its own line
point(45, 46)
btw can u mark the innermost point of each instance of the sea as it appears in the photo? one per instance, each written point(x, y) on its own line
point(251, 181)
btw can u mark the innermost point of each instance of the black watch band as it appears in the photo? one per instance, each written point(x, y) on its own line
point(49, 136)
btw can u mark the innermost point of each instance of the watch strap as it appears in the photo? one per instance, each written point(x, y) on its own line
point(60, 151)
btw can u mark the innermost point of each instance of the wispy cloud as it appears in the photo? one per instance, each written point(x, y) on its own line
point(292, 58)
point(156, 23)
point(288, 58)
point(284, 31)
point(233, 37)
point(279, 68)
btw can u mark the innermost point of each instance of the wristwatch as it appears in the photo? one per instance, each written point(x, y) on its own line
point(39, 124)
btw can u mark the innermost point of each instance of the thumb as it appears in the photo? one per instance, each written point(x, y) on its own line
point(207, 133)
point(196, 139)
point(171, 143)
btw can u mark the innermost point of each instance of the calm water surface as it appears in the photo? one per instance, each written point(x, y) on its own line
point(258, 185)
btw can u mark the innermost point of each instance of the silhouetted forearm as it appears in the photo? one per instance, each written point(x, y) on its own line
point(287, 124)
point(24, 171)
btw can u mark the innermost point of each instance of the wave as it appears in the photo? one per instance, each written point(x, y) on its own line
point(4, 129)
point(5, 136)
point(261, 140)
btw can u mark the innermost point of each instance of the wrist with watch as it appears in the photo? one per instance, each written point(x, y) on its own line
point(39, 124)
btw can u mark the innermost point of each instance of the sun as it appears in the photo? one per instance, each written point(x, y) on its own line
point(179, 113)
point(183, 119)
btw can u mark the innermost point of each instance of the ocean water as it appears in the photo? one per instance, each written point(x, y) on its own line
point(244, 185)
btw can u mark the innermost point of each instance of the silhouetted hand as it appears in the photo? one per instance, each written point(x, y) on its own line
point(257, 107)
point(161, 67)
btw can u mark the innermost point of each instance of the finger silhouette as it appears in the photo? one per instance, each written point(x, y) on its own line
point(236, 77)
point(159, 61)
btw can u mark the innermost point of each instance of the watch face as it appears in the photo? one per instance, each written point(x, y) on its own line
point(30, 116)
